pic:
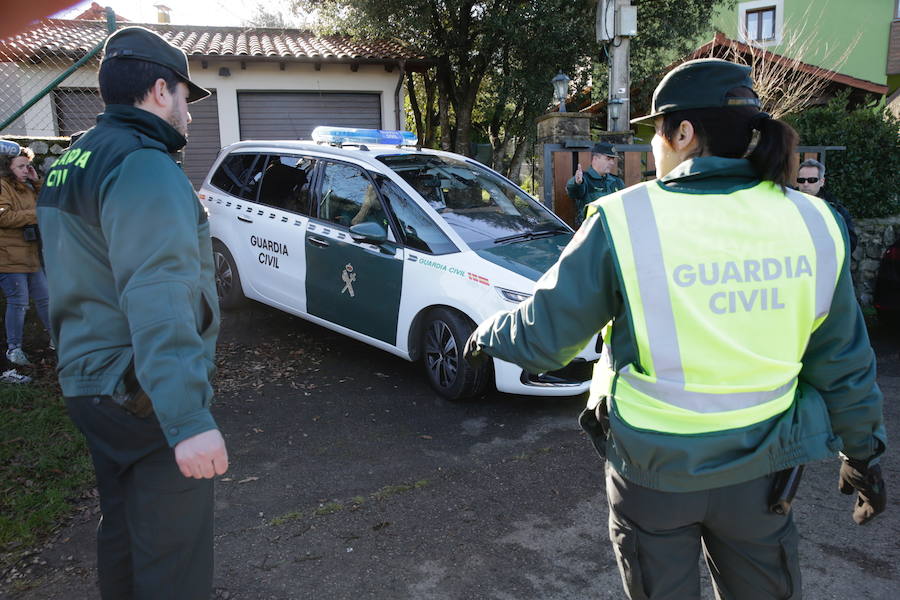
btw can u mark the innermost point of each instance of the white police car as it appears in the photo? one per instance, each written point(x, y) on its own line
point(403, 248)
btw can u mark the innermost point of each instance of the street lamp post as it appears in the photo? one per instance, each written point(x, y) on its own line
point(561, 89)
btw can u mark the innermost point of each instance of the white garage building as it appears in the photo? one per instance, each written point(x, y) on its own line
point(267, 83)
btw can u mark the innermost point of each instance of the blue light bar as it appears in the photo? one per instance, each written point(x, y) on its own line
point(324, 134)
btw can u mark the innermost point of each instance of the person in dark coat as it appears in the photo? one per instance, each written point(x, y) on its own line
point(811, 180)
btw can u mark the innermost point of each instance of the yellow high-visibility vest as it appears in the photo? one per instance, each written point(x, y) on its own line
point(724, 291)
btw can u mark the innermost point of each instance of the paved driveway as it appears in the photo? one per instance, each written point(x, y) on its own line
point(350, 479)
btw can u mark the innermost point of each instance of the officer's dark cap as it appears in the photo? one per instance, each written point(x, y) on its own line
point(138, 43)
point(604, 148)
point(700, 83)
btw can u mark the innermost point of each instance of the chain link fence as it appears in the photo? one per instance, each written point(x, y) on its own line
point(48, 77)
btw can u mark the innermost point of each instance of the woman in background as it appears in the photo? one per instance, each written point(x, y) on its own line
point(21, 275)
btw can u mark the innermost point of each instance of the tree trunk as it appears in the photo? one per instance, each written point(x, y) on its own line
point(515, 164)
point(414, 104)
point(444, 112)
point(463, 130)
point(430, 113)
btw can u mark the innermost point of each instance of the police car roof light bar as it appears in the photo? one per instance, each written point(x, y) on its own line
point(324, 134)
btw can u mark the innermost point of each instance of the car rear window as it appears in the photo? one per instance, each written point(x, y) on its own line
point(239, 175)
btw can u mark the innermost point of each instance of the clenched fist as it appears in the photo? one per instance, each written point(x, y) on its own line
point(202, 456)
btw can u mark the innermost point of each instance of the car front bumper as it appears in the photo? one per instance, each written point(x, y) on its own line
point(571, 380)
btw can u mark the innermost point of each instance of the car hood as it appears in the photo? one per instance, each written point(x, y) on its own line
point(529, 258)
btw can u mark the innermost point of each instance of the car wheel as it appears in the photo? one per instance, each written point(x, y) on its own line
point(228, 281)
point(444, 338)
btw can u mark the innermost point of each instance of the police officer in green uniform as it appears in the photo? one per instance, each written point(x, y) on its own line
point(598, 181)
point(735, 348)
point(134, 316)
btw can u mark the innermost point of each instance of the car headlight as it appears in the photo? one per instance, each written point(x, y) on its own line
point(512, 295)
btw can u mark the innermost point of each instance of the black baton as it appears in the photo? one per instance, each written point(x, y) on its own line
point(784, 489)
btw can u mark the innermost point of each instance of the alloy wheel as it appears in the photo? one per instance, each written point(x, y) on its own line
point(441, 354)
point(224, 275)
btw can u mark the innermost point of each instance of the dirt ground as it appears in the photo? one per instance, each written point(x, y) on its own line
point(350, 479)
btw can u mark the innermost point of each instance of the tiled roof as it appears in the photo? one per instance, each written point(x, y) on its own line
point(74, 38)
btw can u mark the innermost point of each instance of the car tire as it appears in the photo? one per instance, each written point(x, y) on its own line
point(228, 280)
point(444, 336)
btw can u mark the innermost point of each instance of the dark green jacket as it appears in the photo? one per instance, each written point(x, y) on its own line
point(838, 404)
point(129, 267)
point(593, 185)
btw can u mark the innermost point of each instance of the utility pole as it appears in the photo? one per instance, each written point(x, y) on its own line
point(616, 25)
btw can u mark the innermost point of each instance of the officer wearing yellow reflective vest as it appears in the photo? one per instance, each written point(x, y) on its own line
point(735, 350)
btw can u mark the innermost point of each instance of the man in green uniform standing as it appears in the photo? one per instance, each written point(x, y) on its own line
point(134, 316)
point(597, 182)
point(735, 348)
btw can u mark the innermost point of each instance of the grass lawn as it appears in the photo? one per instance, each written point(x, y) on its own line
point(44, 463)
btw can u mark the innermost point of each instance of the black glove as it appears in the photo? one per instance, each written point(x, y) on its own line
point(473, 353)
point(866, 479)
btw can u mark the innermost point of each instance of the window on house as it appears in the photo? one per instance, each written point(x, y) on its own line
point(76, 109)
point(760, 24)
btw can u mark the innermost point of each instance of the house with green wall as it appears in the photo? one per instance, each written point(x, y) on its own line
point(822, 32)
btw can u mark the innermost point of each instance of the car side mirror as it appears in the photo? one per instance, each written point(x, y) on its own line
point(368, 232)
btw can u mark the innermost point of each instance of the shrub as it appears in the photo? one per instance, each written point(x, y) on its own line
point(866, 176)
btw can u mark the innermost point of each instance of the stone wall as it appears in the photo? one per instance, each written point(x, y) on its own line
point(875, 236)
point(46, 149)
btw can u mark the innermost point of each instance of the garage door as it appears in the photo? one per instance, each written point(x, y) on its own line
point(293, 115)
point(203, 139)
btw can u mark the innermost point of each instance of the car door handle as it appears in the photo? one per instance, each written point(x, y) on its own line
point(244, 219)
point(317, 242)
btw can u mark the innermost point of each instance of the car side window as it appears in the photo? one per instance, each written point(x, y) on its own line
point(239, 175)
point(285, 183)
point(348, 197)
point(417, 230)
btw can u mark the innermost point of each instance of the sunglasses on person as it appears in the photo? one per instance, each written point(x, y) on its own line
point(807, 179)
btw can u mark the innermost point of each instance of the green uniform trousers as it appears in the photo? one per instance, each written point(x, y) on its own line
point(155, 538)
point(658, 536)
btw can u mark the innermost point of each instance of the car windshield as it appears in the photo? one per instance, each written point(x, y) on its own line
point(482, 207)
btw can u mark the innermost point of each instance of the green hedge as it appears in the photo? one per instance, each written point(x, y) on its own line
point(866, 176)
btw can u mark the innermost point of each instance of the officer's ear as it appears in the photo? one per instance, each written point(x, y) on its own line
point(685, 137)
point(157, 96)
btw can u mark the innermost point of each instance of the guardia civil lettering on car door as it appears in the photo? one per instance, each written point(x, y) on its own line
point(402, 248)
point(271, 250)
